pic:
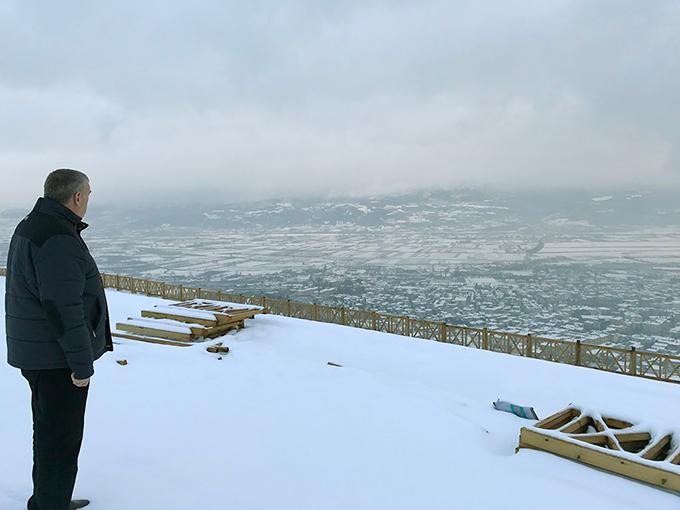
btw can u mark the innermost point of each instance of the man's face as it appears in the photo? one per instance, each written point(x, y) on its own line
point(81, 200)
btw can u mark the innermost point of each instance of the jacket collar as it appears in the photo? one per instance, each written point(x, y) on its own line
point(54, 208)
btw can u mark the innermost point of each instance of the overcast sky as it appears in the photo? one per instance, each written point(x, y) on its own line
point(249, 100)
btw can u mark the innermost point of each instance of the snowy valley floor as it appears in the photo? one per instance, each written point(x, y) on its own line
point(404, 424)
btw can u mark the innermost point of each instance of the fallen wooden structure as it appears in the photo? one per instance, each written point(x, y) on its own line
point(611, 444)
point(186, 322)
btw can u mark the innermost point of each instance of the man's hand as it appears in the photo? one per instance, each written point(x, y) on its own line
point(80, 383)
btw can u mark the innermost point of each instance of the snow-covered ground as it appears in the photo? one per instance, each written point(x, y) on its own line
point(403, 424)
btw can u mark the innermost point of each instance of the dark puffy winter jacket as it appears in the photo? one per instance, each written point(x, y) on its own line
point(56, 314)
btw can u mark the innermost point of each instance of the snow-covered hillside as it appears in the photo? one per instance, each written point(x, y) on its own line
point(403, 424)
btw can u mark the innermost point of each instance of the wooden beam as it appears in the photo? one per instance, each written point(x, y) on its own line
point(178, 317)
point(159, 333)
point(579, 426)
point(558, 420)
point(600, 458)
point(197, 331)
point(208, 308)
point(151, 340)
point(596, 439)
point(604, 440)
point(601, 439)
point(221, 330)
point(633, 437)
point(225, 317)
point(250, 312)
point(614, 423)
point(655, 451)
point(614, 444)
point(218, 349)
point(222, 307)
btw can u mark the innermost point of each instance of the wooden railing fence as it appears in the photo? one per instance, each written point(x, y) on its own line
point(650, 365)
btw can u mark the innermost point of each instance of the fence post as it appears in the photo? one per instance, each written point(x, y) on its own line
point(264, 302)
point(442, 332)
point(374, 320)
point(316, 312)
point(485, 339)
point(117, 282)
point(633, 361)
point(343, 316)
point(288, 308)
point(578, 353)
point(530, 346)
point(146, 287)
point(407, 326)
point(241, 298)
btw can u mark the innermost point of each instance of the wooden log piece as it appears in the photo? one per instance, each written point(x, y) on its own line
point(218, 349)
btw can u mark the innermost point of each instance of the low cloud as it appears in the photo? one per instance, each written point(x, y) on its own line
point(167, 100)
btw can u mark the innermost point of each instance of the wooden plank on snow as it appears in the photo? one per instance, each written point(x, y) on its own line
point(155, 314)
point(151, 340)
point(603, 459)
point(154, 332)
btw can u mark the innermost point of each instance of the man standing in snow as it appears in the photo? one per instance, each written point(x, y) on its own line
point(57, 325)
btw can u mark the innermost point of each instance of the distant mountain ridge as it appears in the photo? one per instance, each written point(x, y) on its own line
point(418, 209)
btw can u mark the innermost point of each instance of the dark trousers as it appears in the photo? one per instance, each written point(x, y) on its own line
point(58, 420)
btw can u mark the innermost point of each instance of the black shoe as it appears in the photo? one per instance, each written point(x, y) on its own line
point(78, 503)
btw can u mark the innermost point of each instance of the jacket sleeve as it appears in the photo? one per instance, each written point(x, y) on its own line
point(60, 270)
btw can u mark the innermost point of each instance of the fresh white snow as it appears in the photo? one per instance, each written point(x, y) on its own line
point(403, 424)
point(185, 312)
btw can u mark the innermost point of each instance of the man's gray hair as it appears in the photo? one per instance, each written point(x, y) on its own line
point(63, 183)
